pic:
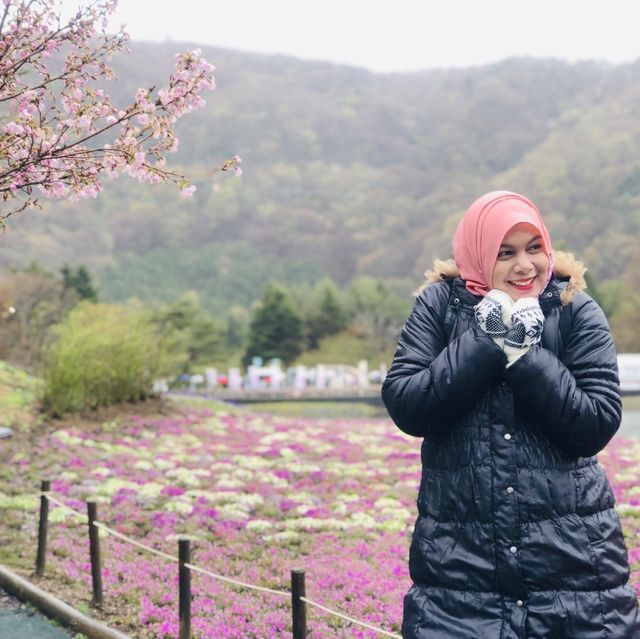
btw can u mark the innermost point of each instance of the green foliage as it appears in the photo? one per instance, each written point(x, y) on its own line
point(326, 314)
point(346, 348)
point(625, 324)
point(80, 281)
point(594, 291)
point(369, 180)
point(237, 327)
point(19, 393)
point(376, 313)
point(39, 301)
point(101, 355)
point(624, 320)
point(277, 328)
point(192, 335)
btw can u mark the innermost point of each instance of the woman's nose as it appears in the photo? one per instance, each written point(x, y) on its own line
point(523, 264)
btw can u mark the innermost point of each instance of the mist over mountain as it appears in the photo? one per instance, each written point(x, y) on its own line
point(349, 172)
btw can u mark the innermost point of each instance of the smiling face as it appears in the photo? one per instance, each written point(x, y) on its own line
point(522, 264)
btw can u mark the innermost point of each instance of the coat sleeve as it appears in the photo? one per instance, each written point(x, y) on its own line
point(430, 383)
point(575, 398)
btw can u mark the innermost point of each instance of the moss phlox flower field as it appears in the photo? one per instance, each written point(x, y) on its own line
point(258, 495)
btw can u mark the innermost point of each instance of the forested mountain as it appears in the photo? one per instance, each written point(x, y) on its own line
point(349, 172)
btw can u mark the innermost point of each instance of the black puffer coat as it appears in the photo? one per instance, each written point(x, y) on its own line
point(517, 536)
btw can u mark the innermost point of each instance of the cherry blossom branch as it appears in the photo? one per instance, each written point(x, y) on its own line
point(51, 120)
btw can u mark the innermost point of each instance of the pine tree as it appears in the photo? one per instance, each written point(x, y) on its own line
point(277, 328)
point(191, 331)
point(327, 315)
point(80, 281)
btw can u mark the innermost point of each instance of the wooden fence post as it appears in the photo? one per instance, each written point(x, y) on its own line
point(184, 587)
point(94, 552)
point(298, 608)
point(41, 557)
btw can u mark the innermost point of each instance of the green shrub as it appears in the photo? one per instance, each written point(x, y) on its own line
point(101, 355)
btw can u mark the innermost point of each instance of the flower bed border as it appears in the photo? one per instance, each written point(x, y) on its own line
point(54, 608)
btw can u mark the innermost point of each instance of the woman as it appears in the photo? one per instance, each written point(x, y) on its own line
point(508, 371)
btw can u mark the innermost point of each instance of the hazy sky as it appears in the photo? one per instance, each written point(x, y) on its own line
point(395, 35)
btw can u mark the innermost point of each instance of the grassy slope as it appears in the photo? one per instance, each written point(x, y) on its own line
point(18, 397)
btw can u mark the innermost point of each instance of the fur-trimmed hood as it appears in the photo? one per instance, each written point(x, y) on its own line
point(565, 267)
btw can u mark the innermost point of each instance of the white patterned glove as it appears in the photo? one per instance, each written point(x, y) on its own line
point(493, 315)
point(527, 324)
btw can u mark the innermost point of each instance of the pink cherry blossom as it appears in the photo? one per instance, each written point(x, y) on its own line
point(54, 118)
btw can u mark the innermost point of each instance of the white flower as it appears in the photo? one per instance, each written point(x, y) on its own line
point(627, 509)
point(340, 509)
point(211, 497)
point(150, 490)
point(18, 502)
point(178, 506)
point(113, 485)
point(259, 525)
point(377, 450)
point(310, 523)
point(392, 525)
point(58, 515)
point(183, 476)
point(221, 466)
point(303, 467)
point(251, 462)
point(163, 464)
point(243, 473)
point(388, 502)
point(248, 501)
point(230, 484)
point(231, 512)
point(66, 438)
point(285, 536)
point(273, 480)
point(362, 520)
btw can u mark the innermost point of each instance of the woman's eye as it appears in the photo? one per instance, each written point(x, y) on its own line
point(534, 248)
point(503, 255)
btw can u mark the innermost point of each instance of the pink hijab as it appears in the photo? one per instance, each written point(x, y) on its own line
point(481, 231)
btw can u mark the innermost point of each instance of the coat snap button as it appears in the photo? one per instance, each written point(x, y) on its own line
point(507, 435)
point(510, 489)
point(519, 603)
point(513, 550)
point(456, 301)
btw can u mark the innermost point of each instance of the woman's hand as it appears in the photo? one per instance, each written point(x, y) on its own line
point(493, 315)
point(527, 324)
